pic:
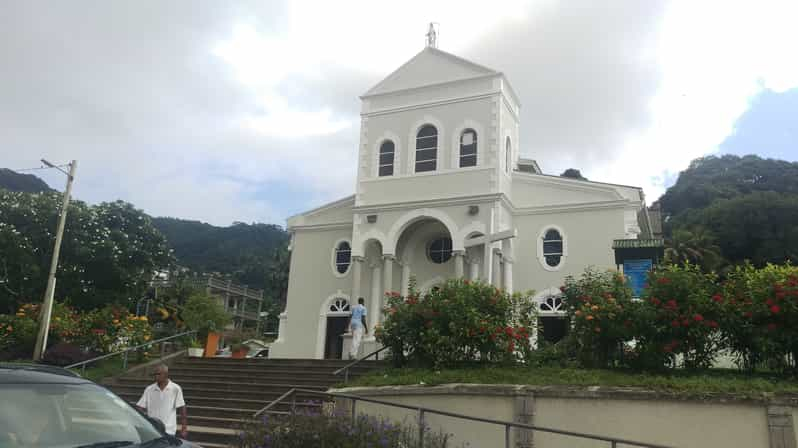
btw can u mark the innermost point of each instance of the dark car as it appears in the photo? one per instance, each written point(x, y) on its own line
point(49, 407)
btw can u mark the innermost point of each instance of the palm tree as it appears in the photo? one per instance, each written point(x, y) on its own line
point(696, 246)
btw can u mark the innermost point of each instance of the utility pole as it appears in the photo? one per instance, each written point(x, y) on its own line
point(47, 306)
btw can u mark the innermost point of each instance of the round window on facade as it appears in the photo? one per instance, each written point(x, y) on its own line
point(343, 257)
point(440, 250)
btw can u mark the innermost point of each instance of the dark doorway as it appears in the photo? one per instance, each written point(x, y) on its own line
point(336, 327)
point(552, 329)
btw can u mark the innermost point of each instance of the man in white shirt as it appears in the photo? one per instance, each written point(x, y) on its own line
point(162, 399)
point(357, 325)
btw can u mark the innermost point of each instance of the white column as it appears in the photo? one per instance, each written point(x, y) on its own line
point(405, 279)
point(458, 263)
point(357, 265)
point(487, 263)
point(387, 266)
point(474, 270)
point(508, 275)
point(496, 278)
point(376, 295)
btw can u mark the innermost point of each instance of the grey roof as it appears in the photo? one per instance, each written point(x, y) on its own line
point(638, 243)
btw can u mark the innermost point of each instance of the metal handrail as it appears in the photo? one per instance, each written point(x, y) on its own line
point(83, 364)
point(346, 368)
point(508, 425)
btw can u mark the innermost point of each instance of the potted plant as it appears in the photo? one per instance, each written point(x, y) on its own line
point(207, 316)
point(195, 348)
point(237, 346)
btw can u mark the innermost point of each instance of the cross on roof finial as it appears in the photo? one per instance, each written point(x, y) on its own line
point(432, 36)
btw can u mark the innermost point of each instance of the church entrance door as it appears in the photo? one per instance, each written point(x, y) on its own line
point(334, 345)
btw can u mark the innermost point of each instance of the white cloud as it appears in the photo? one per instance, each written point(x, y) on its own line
point(714, 57)
point(197, 108)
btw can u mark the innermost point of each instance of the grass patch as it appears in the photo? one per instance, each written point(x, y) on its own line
point(713, 381)
point(106, 368)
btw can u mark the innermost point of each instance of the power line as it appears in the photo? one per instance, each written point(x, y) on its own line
point(39, 168)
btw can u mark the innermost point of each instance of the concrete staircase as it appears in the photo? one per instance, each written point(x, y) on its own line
point(222, 393)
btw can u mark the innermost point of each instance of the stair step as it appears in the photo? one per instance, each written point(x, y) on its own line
point(222, 394)
point(210, 435)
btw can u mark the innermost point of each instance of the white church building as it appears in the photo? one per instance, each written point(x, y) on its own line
point(441, 193)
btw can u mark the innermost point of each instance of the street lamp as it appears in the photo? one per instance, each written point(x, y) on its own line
point(47, 306)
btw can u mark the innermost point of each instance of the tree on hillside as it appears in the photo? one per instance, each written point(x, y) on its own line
point(761, 227)
point(108, 254)
point(573, 173)
point(747, 205)
point(711, 178)
point(240, 252)
point(25, 183)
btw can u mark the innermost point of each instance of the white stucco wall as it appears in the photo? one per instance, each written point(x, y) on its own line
point(587, 237)
point(678, 421)
point(311, 281)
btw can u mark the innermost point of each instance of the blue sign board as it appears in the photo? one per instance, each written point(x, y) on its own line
point(636, 271)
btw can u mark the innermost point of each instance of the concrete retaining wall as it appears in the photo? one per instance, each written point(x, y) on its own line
point(720, 421)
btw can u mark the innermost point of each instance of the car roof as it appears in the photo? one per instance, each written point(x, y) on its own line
point(21, 373)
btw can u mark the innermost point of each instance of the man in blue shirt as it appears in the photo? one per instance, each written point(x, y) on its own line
point(357, 326)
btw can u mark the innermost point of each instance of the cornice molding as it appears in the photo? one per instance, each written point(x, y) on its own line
point(442, 202)
point(428, 104)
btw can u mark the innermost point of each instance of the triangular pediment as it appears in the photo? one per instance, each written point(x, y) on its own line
point(430, 66)
point(336, 212)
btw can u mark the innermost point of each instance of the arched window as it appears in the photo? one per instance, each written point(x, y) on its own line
point(426, 149)
point(440, 250)
point(552, 304)
point(343, 257)
point(339, 306)
point(508, 155)
point(387, 151)
point(552, 247)
point(468, 148)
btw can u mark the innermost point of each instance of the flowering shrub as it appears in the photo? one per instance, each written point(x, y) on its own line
point(113, 328)
point(760, 315)
point(109, 329)
point(17, 337)
point(679, 314)
point(599, 307)
point(456, 322)
point(339, 430)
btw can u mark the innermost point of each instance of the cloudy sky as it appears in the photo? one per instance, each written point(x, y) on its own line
point(248, 110)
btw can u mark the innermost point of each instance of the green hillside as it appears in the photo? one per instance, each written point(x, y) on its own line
point(26, 183)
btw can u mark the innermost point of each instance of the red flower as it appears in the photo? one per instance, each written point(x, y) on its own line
point(712, 324)
point(663, 280)
point(685, 323)
point(717, 298)
point(511, 346)
point(675, 324)
point(775, 309)
point(671, 304)
point(769, 302)
point(747, 314)
point(655, 301)
point(698, 318)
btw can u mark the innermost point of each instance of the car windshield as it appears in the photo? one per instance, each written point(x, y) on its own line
point(67, 415)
